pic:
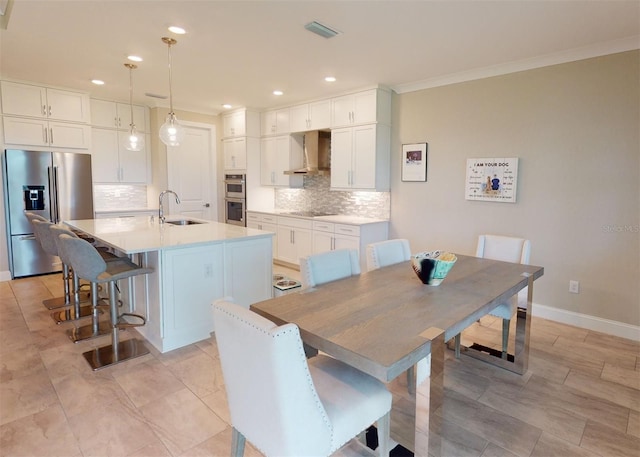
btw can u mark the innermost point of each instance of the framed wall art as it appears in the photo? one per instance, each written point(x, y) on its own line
point(492, 179)
point(414, 162)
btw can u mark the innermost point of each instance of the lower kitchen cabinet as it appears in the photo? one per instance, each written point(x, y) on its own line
point(329, 236)
point(300, 237)
point(294, 239)
point(266, 222)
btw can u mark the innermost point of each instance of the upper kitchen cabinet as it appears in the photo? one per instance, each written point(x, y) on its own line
point(44, 102)
point(241, 122)
point(236, 150)
point(310, 116)
point(277, 155)
point(117, 115)
point(360, 157)
point(365, 107)
point(112, 163)
point(26, 131)
point(241, 131)
point(275, 122)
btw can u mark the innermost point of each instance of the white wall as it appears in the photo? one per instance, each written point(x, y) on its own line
point(575, 128)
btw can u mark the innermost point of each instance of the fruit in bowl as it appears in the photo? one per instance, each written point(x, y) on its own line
point(433, 266)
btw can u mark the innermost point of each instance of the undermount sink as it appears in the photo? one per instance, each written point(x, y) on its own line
point(183, 222)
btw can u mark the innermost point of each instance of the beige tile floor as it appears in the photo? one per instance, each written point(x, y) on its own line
point(581, 396)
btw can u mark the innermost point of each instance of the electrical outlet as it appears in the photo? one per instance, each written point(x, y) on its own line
point(208, 270)
point(574, 286)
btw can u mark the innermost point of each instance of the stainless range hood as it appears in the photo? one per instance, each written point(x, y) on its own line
point(317, 154)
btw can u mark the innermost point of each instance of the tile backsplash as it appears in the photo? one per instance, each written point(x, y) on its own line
point(317, 196)
point(108, 197)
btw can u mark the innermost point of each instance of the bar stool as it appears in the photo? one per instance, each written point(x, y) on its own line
point(88, 265)
point(57, 302)
point(45, 236)
point(96, 328)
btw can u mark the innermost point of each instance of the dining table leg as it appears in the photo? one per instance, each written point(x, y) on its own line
point(519, 361)
point(429, 393)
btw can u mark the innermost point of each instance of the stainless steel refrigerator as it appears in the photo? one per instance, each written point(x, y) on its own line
point(55, 185)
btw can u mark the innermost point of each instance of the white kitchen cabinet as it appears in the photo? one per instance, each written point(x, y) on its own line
point(240, 123)
point(310, 116)
point(363, 107)
point(115, 115)
point(42, 133)
point(329, 236)
point(274, 122)
point(112, 163)
point(266, 222)
point(360, 157)
point(44, 102)
point(294, 239)
point(235, 153)
point(277, 155)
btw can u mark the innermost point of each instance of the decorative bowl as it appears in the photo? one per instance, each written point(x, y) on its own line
point(433, 266)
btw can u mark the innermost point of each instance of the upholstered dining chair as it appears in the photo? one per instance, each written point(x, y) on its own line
point(285, 405)
point(328, 266)
point(387, 252)
point(506, 249)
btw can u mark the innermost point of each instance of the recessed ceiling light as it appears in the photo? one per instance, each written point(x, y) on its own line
point(177, 30)
point(330, 79)
point(226, 106)
point(135, 58)
point(277, 92)
point(97, 82)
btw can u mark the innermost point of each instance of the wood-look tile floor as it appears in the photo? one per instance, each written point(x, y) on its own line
point(580, 397)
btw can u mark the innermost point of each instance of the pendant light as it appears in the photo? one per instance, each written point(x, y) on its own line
point(134, 141)
point(171, 132)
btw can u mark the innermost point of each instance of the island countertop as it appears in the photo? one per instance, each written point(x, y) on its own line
point(133, 235)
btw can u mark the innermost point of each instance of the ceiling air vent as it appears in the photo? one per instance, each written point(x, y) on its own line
point(321, 30)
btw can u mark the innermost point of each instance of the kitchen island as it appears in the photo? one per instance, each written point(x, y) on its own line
point(193, 265)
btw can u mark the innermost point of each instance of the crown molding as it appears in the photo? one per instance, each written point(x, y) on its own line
point(571, 55)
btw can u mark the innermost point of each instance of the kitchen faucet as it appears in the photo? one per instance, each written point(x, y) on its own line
point(161, 207)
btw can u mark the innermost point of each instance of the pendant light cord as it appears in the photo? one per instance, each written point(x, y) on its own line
point(170, 90)
point(131, 96)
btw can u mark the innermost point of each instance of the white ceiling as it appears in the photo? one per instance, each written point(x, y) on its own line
point(238, 52)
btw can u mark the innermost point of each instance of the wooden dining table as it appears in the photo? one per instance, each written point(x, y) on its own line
point(386, 321)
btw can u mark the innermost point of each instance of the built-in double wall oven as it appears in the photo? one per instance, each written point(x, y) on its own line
point(235, 200)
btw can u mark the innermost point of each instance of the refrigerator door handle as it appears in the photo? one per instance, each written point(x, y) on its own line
point(52, 189)
point(27, 237)
point(55, 194)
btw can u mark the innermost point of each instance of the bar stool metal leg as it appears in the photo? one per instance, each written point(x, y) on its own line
point(76, 311)
point(96, 328)
point(119, 350)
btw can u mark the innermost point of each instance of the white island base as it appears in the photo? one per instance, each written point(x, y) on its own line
point(193, 266)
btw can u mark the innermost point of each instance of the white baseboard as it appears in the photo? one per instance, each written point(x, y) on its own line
point(598, 324)
point(5, 276)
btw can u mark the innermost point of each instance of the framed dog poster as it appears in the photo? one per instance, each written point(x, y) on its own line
point(492, 179)
point(414, 162)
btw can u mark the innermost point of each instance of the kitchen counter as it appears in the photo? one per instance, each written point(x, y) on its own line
point(132, 235)
point(193, 265)
point(303, 233)
point(336, 218)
